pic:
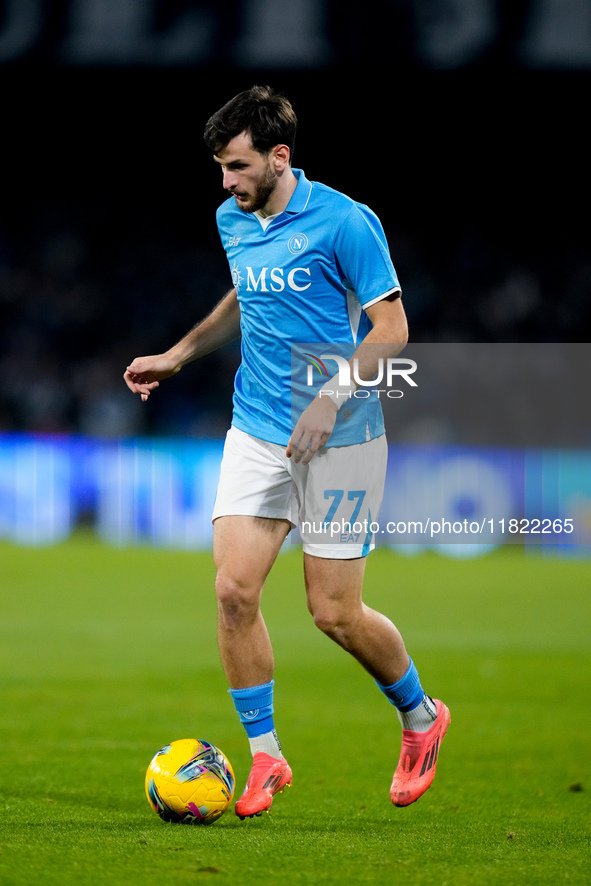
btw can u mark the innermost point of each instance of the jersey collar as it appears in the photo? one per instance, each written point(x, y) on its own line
point(301, 195)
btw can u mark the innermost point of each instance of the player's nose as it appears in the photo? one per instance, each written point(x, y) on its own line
point(229, 180)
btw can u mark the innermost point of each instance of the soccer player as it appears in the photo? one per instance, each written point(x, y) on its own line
point(310, 270)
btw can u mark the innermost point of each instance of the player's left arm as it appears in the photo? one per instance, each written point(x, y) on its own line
point(386, 338)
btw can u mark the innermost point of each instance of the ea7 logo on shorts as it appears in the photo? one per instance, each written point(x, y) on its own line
point(297, 244)
point(277, 280)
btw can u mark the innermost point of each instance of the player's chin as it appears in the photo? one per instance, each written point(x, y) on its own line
point(246, 204)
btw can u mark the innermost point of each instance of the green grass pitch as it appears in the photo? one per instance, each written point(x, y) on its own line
point(107, 654)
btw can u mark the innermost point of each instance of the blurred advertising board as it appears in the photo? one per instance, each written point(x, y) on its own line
point(458, 500)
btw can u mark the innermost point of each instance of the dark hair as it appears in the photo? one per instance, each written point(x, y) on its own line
point(264, 114)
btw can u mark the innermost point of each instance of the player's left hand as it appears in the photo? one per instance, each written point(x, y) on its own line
point(311, 433)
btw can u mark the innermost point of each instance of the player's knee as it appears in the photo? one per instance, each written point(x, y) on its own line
point(331, 622)
point(237, 603)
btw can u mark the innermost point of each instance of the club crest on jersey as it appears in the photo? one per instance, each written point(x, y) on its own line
point(297, 244)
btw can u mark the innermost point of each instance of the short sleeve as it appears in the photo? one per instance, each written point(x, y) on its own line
point(363, 258)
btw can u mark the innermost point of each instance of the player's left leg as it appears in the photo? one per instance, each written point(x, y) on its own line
point(333, 589)
point(334, 592)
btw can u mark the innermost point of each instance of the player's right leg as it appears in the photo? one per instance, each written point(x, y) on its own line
point(245, 549)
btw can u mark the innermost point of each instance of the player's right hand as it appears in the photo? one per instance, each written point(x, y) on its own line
point(144, 374)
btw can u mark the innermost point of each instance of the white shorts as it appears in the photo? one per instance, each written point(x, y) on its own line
point(334, 500)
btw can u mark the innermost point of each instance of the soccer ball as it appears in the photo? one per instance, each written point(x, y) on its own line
point(190, 782)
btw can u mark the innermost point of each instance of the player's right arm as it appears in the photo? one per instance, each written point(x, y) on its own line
point(144, 374)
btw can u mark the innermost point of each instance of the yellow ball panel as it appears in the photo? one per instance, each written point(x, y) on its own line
point(190, 781)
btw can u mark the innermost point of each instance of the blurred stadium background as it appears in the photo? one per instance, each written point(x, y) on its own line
point(462, 124)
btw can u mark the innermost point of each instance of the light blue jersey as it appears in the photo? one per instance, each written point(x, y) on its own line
point(305, 279)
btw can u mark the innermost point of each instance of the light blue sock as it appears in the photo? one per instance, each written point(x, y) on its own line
point(407, 693)
point(416, 710)
point(255, 709)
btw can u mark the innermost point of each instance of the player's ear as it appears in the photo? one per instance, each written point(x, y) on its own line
point(280, 157)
